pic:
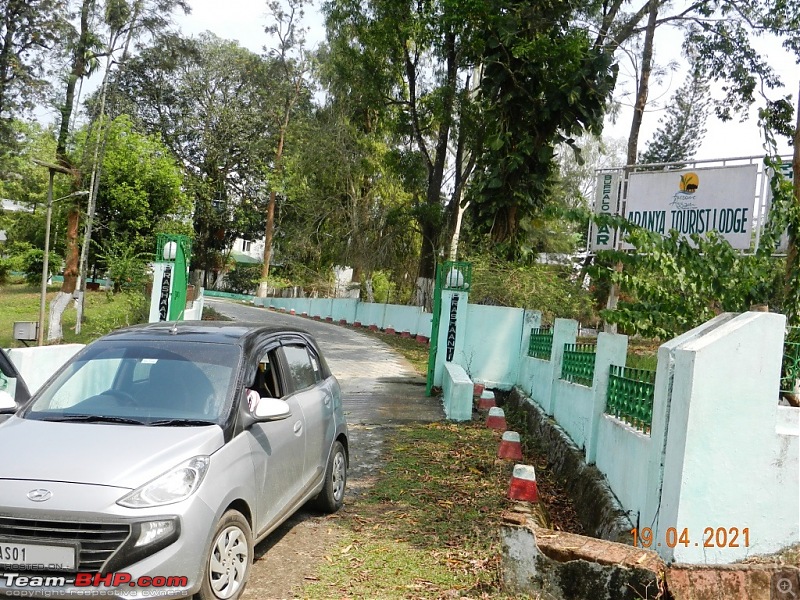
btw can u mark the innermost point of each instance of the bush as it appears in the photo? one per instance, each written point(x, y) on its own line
point(32, 263)
point(548, 288)
point(126, 267)
point(244, 279)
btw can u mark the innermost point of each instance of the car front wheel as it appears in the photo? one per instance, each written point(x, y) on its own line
point(228, 560)
point(331, 498)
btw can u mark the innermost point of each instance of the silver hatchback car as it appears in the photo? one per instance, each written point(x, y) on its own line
point(159, 455)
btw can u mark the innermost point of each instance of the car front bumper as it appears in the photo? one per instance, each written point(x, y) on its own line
point(83, 515)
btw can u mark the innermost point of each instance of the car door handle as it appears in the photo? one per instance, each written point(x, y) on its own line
point(298, 427)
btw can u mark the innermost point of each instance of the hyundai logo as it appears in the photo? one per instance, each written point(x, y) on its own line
point(40, 495)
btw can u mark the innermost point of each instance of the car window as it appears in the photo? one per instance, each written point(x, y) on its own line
point(145, 381)
point(300, 368)
point(266, 382)
point(8, 383)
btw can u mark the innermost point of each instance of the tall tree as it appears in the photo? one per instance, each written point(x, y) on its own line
point(212, 102)
point(116, 19)
point(29, 31)
point(291, 65)
point(421, 56)
point(682, 129)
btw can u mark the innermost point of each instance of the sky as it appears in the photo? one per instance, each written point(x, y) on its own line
point(244, 20)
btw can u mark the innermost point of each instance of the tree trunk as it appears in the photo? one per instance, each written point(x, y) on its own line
point(792, 256)
point(644, 85)
point(80, 57)
point(431, 229)
point(633, 139)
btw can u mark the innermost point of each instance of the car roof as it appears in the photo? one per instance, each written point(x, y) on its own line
point(220, 332)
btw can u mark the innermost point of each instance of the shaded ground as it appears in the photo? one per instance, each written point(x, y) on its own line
point(380, 391)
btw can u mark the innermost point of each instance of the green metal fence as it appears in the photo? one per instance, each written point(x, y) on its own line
point(578, 363)
point(630, 396)
point(541, 344)
point(790, 372)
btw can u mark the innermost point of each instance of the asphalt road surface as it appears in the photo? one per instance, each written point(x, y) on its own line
point(380, 390)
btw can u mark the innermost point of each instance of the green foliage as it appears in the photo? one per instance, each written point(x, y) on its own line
point(224, 141)
point(550, 289)
point(141, 189)
point(670, 284)
point(125, 266)
point(243, 279)
point(683, 127)
point(32, 263)
point(784, 217)
point(532, 105)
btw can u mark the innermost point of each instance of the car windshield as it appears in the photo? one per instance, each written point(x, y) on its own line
point(142, 382)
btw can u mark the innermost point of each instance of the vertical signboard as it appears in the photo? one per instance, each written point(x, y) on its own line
point(602, 237)
point(163, 301)
point(451, 329)
point(695, 201)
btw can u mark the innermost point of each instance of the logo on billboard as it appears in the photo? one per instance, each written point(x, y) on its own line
point(663, 201)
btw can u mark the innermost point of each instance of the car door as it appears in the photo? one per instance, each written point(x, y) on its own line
point(278, 446)
point(314, 399)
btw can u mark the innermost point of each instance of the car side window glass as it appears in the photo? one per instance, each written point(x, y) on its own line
point(315, 366)
point(8, 384)
point(266, 381)
point(300, 369)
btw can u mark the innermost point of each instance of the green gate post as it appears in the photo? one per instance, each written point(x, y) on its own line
point(453, 276)
point(176, 249)
point(435, 320)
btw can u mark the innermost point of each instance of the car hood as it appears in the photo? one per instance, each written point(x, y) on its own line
point(125, 456)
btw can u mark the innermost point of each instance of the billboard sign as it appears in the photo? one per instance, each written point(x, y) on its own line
point(695, 201)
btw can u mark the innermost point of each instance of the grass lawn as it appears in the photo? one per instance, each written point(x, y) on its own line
point(429, 526)
point(103, 312)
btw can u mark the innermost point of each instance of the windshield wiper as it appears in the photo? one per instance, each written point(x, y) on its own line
point(93, 419)
point(180, 423)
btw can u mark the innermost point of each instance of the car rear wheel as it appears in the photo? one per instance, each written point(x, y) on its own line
point(331, 498)
point(228, 560)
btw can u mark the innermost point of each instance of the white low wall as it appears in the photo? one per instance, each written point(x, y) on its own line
point(491, 351)
point(38, 364)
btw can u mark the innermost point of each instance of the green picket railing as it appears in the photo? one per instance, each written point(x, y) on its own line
point(630, 396)
point(541, 344)
point(790, 371)
point(578, 363)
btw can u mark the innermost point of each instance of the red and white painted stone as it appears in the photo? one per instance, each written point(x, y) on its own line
point(496, 419)
point(510, 447)
point(486, 401)
point(477, 390)
point(523, 484)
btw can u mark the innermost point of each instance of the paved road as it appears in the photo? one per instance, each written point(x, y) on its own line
point(380, 390)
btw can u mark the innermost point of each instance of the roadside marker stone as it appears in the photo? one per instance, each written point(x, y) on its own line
point(357, 324)
point(373, 328)
point(510, 447)
point(291, 312)
point(496, 419)
point(477, 390)
point(342, 321)
point(389, 329)
point(405, 334)
point(523, 484)
point(486, 401)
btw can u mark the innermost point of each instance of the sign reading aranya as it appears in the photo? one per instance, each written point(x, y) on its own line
point(695, 201)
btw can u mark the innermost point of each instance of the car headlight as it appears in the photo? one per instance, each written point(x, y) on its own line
point(173, 486)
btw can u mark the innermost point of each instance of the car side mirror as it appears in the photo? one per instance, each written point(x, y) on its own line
point(272, 409)
point(7, 403)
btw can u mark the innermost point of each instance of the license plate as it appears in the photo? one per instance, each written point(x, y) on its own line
point(36, 556)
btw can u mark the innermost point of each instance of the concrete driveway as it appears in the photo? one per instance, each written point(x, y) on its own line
point(380, 390)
